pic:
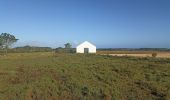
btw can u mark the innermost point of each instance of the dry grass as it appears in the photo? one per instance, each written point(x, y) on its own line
point(160, 55)
point(135, 53)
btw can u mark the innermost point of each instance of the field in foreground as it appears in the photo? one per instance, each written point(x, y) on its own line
point(45, 76)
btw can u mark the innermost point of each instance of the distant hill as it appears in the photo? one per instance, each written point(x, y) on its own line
point(31, 49)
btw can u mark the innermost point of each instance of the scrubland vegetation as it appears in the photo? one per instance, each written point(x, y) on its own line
point(53, 76)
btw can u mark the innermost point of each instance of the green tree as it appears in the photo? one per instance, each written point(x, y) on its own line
point(67, 45)
point(6, 40)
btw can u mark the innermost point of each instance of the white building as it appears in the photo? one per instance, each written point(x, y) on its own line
point(86, 47)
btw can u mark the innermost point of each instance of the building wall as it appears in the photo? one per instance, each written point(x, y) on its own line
point(80, 48)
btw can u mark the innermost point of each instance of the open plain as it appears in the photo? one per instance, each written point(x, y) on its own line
point(50, 76)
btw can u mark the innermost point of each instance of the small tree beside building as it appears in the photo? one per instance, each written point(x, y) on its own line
point(67, 46)
point(67, 49)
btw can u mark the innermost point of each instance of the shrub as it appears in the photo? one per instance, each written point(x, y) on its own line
point(63, 50)
point(84, 91)
point(154, 55)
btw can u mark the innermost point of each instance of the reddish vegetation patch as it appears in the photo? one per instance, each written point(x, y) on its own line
point(3, 73)
point(26, 75)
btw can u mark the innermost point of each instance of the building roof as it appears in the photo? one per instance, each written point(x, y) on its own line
point(86, 42)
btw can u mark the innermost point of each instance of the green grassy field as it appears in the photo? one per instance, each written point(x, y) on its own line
point(48, 76)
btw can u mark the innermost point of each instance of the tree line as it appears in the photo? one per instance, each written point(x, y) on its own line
point(7, 40)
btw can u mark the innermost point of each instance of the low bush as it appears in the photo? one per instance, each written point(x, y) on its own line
point(154, 55)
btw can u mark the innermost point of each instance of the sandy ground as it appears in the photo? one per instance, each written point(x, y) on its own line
point(161, 55)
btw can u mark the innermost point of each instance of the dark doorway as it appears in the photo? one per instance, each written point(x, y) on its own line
point(86, 50)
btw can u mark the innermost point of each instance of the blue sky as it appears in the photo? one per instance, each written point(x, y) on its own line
point(105, 23)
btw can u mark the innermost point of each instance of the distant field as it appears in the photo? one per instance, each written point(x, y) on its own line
point(161, 54)
point(49, 76)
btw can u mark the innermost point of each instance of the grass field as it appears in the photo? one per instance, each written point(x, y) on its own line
point(48, 76)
